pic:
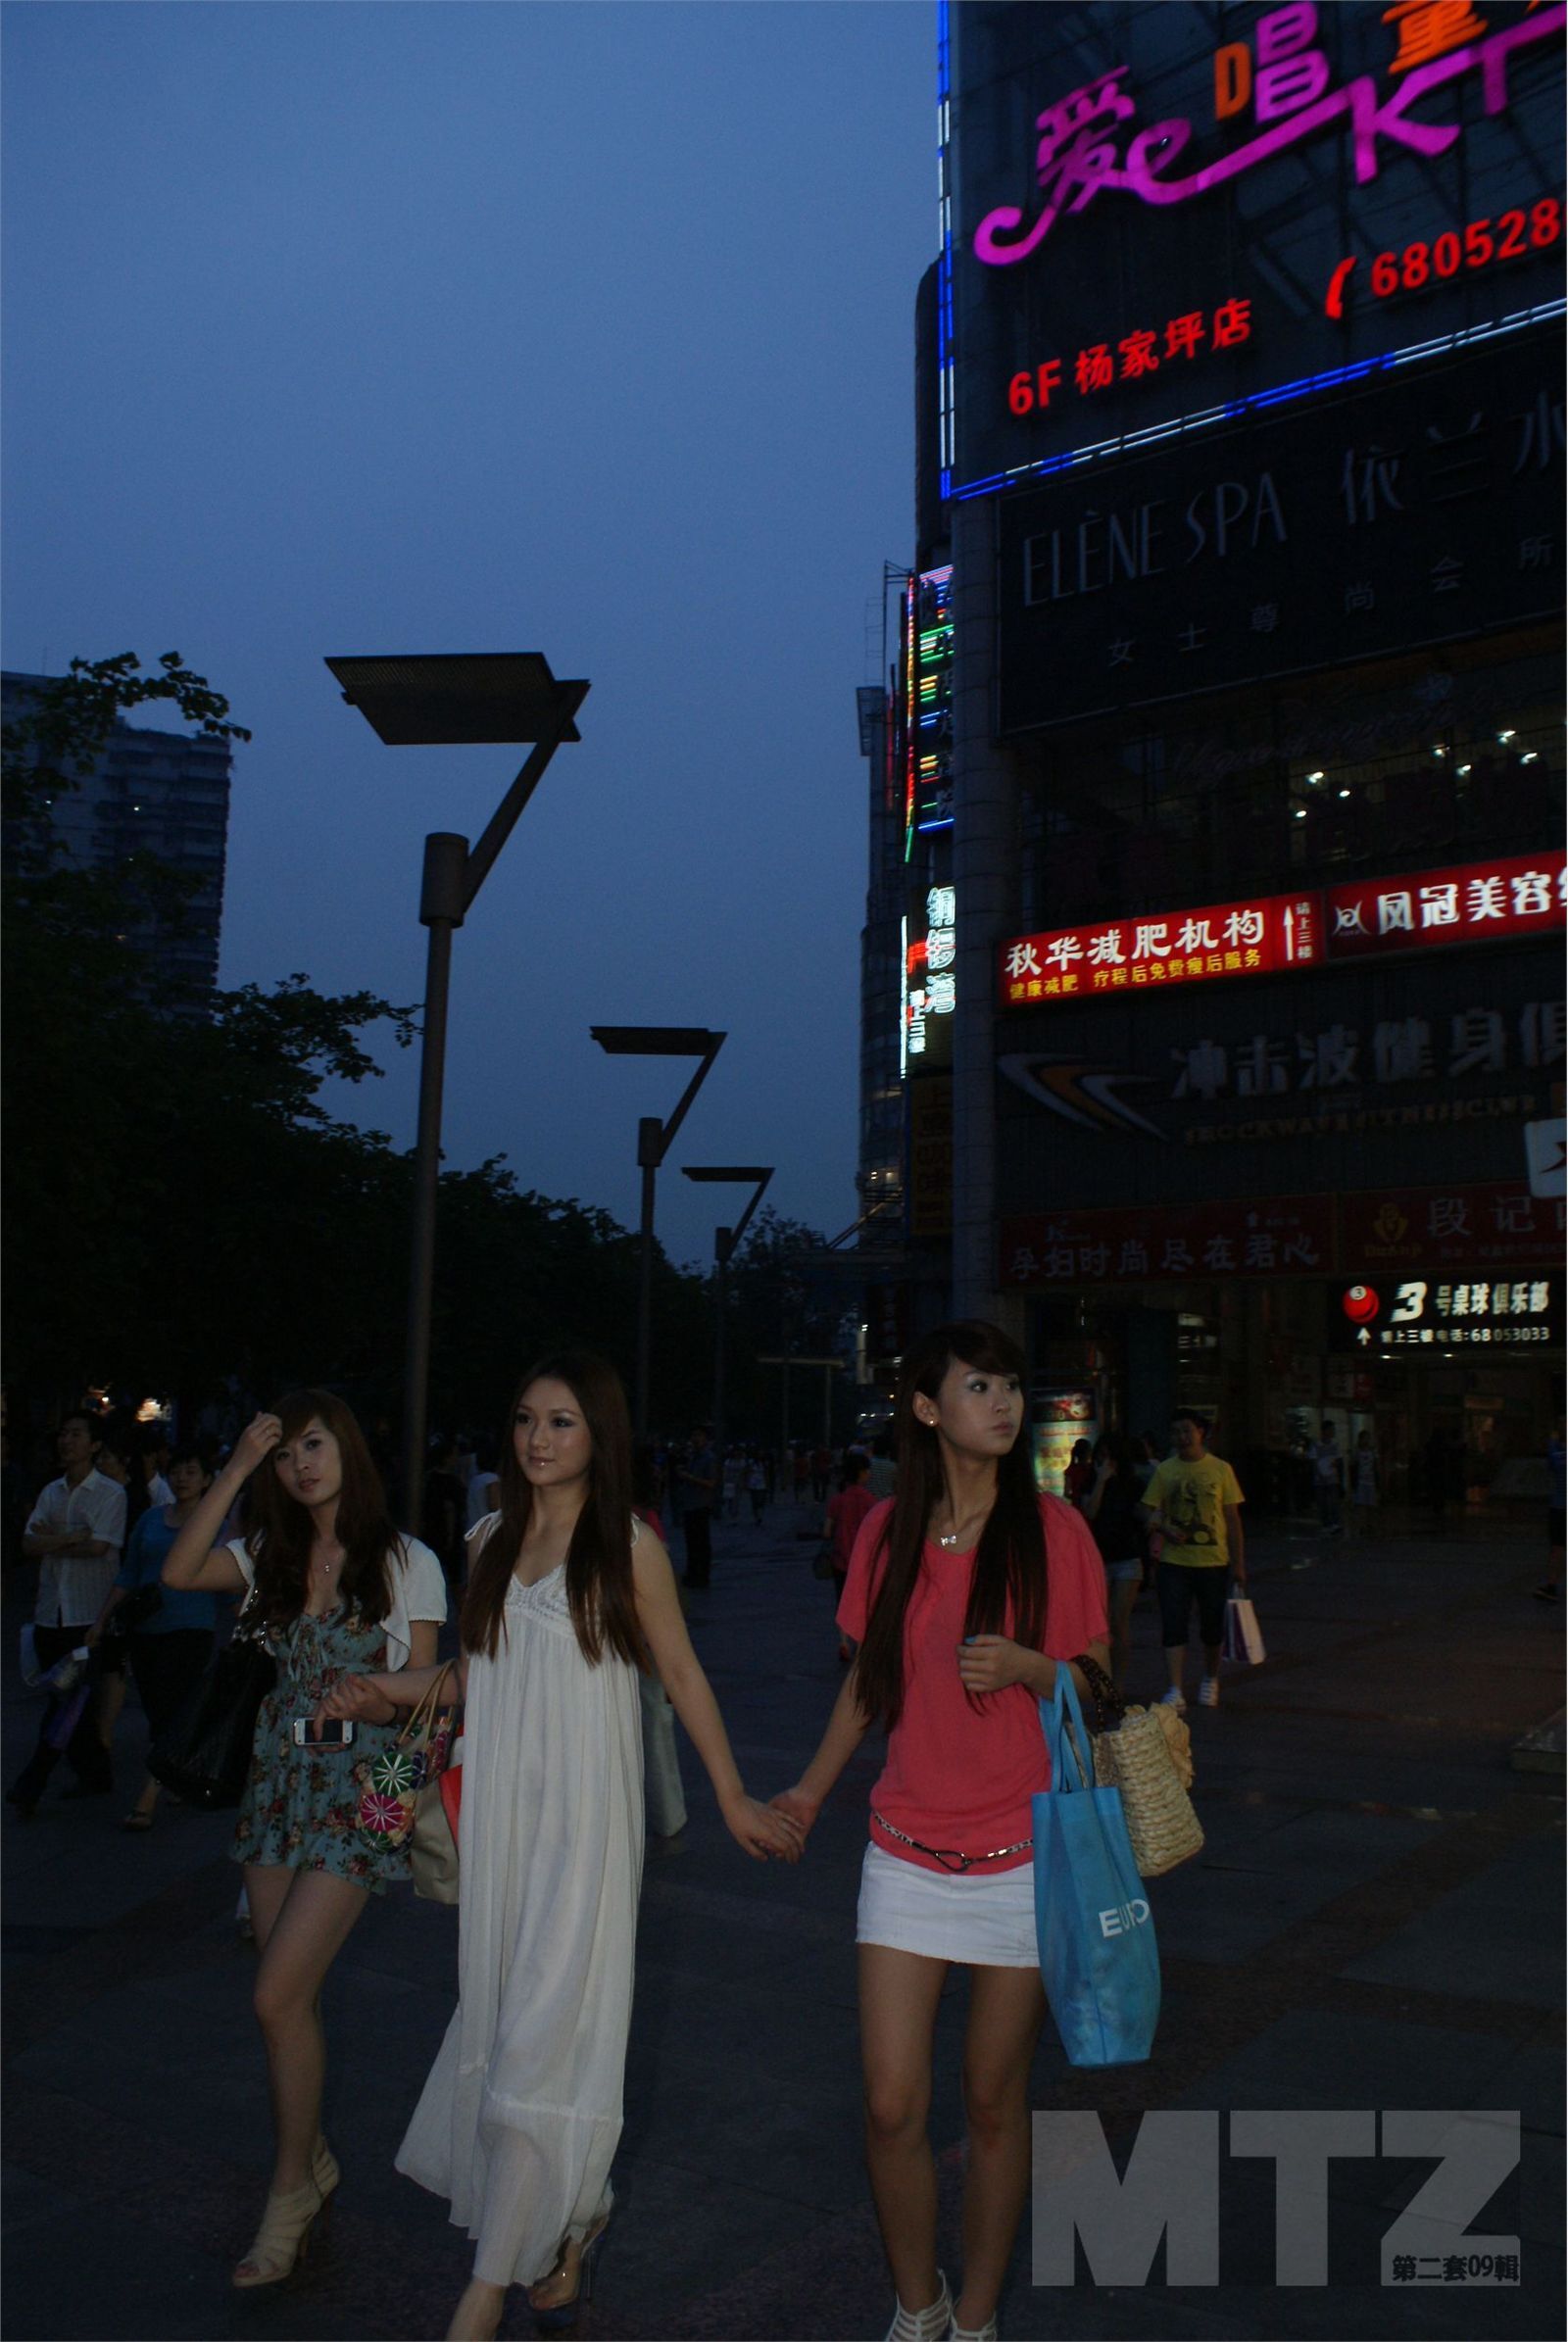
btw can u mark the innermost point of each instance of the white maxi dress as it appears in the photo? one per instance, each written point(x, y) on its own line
point(519, 2119)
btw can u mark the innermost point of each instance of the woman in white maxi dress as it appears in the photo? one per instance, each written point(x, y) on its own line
point(522, 2114)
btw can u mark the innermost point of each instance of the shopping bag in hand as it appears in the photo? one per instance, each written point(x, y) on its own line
point(1097, 1956)
point(1243, 1636)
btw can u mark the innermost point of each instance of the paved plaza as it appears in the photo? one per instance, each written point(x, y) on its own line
point(1375, 1922)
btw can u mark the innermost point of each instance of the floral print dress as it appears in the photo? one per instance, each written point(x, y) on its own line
point(301, 1807)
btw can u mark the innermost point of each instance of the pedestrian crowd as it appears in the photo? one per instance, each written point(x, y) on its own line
point(550, 1548)
point(963, 1601)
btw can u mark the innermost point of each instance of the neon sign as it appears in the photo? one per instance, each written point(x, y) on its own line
point(928, 703)
point(930, 984)
point(1425, 261)
point(1078, 157)
point(1319, 236)
point(1422, 910)
point(1256, 938)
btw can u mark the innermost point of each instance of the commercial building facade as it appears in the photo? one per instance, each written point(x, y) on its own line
point(1248, 387)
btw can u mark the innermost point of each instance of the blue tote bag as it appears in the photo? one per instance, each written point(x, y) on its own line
point(1098, 1955)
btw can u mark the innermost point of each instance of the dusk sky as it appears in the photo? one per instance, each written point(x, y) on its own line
point(583, 328)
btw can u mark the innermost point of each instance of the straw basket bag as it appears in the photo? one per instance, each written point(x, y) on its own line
point(1150, 1759)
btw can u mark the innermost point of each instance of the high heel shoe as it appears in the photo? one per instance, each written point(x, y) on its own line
point(557, 2316)
point(324, 2169)
point(282, 2239)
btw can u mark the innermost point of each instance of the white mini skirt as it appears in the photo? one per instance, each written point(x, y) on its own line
point(983, 1919)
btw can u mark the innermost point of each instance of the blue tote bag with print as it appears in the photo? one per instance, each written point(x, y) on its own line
point(1098, 1955)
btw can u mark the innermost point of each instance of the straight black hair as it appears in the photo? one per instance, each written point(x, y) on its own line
point(1007, 1592)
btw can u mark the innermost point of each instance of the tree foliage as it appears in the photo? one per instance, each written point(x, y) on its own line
point(182, 1209)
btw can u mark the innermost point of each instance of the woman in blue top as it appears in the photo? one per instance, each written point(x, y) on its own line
point(169, 1645)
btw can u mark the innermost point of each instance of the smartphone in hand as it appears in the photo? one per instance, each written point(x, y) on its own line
point(337, 1732)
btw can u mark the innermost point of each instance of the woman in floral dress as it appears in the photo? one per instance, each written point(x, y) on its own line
point(337, 1590)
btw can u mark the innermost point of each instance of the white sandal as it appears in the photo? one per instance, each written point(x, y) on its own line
point(282, 2239)
point(923, 2326)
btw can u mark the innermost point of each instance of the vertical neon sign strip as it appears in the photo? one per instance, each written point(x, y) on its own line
point(903, 999)
point(933, 787)
point(946, 372)
point(911, 729)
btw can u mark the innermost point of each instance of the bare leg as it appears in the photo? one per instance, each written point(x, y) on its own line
point(563, 2283)
point(899, 1996)
point(1007, 2007)
point(477, 2314)
point(1176, 1661)
point(302, 1920)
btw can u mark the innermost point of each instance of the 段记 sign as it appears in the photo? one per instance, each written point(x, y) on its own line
point(1500, 901)
point(1255, 937)
point(1494, 1225)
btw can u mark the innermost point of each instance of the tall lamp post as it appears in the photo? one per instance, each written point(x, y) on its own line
point(726, 1240)
point(445, 701)
point(653, 1141)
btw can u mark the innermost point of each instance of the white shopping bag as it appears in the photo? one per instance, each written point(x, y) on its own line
point(1243, 1636)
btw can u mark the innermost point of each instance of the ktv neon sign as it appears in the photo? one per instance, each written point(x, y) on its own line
point(1079, 154)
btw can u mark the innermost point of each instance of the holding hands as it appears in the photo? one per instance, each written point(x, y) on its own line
point(762, 1830)
point(796, 1809)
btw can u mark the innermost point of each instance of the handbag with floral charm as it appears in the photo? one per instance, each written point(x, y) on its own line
point(413, 1764)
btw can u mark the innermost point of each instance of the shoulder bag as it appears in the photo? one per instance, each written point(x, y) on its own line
point(205, 1754)
point(1099, 1960)
point(403, 1802)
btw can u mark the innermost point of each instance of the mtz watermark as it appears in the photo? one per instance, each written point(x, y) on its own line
point(1171, 2188)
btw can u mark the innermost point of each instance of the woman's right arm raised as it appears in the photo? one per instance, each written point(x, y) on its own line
point(194, 1563)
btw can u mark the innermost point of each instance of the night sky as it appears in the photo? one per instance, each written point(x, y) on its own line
point(447, 327)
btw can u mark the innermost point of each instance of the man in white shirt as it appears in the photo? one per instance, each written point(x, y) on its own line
point(75, 1533)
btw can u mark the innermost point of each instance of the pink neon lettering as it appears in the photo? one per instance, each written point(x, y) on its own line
point(1285, 32)
point(1283, 88)
point(1078, 155)
point(1495, 53)
point(1372, 122)
point(1140, 165)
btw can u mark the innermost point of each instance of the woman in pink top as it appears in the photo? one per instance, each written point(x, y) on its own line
point(966, 1593)
point(845, 1513)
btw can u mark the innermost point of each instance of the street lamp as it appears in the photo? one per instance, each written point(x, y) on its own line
point(654, 1139)
point(443, 701)
point(726, 1242)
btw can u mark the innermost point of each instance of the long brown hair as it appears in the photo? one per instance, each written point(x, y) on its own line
point(279, 1528)
point(600, 1589)
point(1010, 1563)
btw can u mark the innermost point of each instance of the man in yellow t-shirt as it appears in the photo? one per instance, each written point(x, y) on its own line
point(1195, 1500)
